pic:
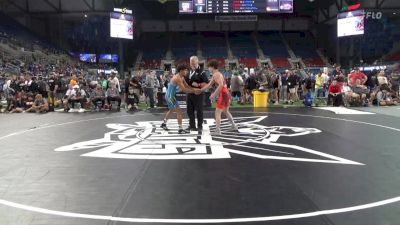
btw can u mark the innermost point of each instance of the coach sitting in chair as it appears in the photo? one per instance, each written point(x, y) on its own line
point(113, 95)
point(359, 95)
point(74, 95)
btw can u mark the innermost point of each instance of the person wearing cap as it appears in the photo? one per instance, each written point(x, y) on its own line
point(74, 80)
point(74, 95)
point(113, 95)
point(113, 78)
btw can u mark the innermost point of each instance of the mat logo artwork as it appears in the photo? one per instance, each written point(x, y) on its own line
point(146, 140)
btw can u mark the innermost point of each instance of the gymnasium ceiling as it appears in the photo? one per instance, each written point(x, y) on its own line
point(322, 10)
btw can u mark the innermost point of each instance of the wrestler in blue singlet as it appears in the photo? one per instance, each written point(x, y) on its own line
point(170, 96)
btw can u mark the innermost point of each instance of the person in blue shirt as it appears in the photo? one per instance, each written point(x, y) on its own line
point(177, 82)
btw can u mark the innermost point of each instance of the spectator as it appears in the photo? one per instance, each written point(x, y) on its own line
point(250, 85)
point(74, 95)
point(17, 103)
point(62, 86)
point(40, 105)
point(382, 79)
point(283, 87)
point(137, 88)
point(263, 81)
point(126, 87)
point(307, 85)
point(113, 78)
point(52, 88)
point(395, 83)
point(156, 88)
point(237, 87)
point(335, 94)
point(292, 83)
point(42, 87)
point(385, 98)
point(347, 93)
point(359, 95)
point(104, 83)
point(298, 85)
point(357, 75)
point(319, 86)
point(113, 95)
point(131, 99)
point(337, 72)
point(97, 97)
point(150, 84)
point(275, 88)
point(74, 80)
point(30, 85)
point(372, 80)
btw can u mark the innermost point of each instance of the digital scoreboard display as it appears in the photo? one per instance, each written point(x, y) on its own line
point(108, 58)
point(122, 25)
point(350, 23)
point(85, 57)
point(235, 6)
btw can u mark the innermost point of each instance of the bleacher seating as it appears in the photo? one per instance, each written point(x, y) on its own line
point(213, 45)
point(90, 35)
point(250, 63)
point(280, 63)
point(154, 47)
point(314, 62)
point(303, 47)
point(393, 57)
point(18, 36)
point(221, 61)
point(184, 45)
point(242, 45)
point(272, 45)
point(378, 39)
point(185, 61)
point(151, 64)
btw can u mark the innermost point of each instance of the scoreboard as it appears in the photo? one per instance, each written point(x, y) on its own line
point(235, 6)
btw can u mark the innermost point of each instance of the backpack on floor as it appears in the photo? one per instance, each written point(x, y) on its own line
point(308, 100)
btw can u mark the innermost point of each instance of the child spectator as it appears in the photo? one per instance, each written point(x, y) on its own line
point(113, 95)
point(40, 105)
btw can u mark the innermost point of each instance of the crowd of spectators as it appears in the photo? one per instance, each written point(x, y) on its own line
point(42, 88)
point(333, 88)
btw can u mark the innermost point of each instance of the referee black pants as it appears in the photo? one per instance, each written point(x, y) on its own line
point(195, 103)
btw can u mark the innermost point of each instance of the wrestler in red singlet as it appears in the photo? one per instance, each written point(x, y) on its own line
point(224, 99)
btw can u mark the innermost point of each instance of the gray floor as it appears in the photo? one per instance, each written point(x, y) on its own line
point(33, 174)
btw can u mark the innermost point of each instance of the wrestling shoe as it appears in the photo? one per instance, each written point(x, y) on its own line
point(182, 131)
point(216, 132)
point(164, 126)
point(234, 128)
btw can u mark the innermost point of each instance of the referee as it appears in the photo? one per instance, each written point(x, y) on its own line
point(197, 78)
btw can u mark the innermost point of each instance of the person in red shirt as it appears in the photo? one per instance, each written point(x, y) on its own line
point(335, 94)
point(353, 77)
